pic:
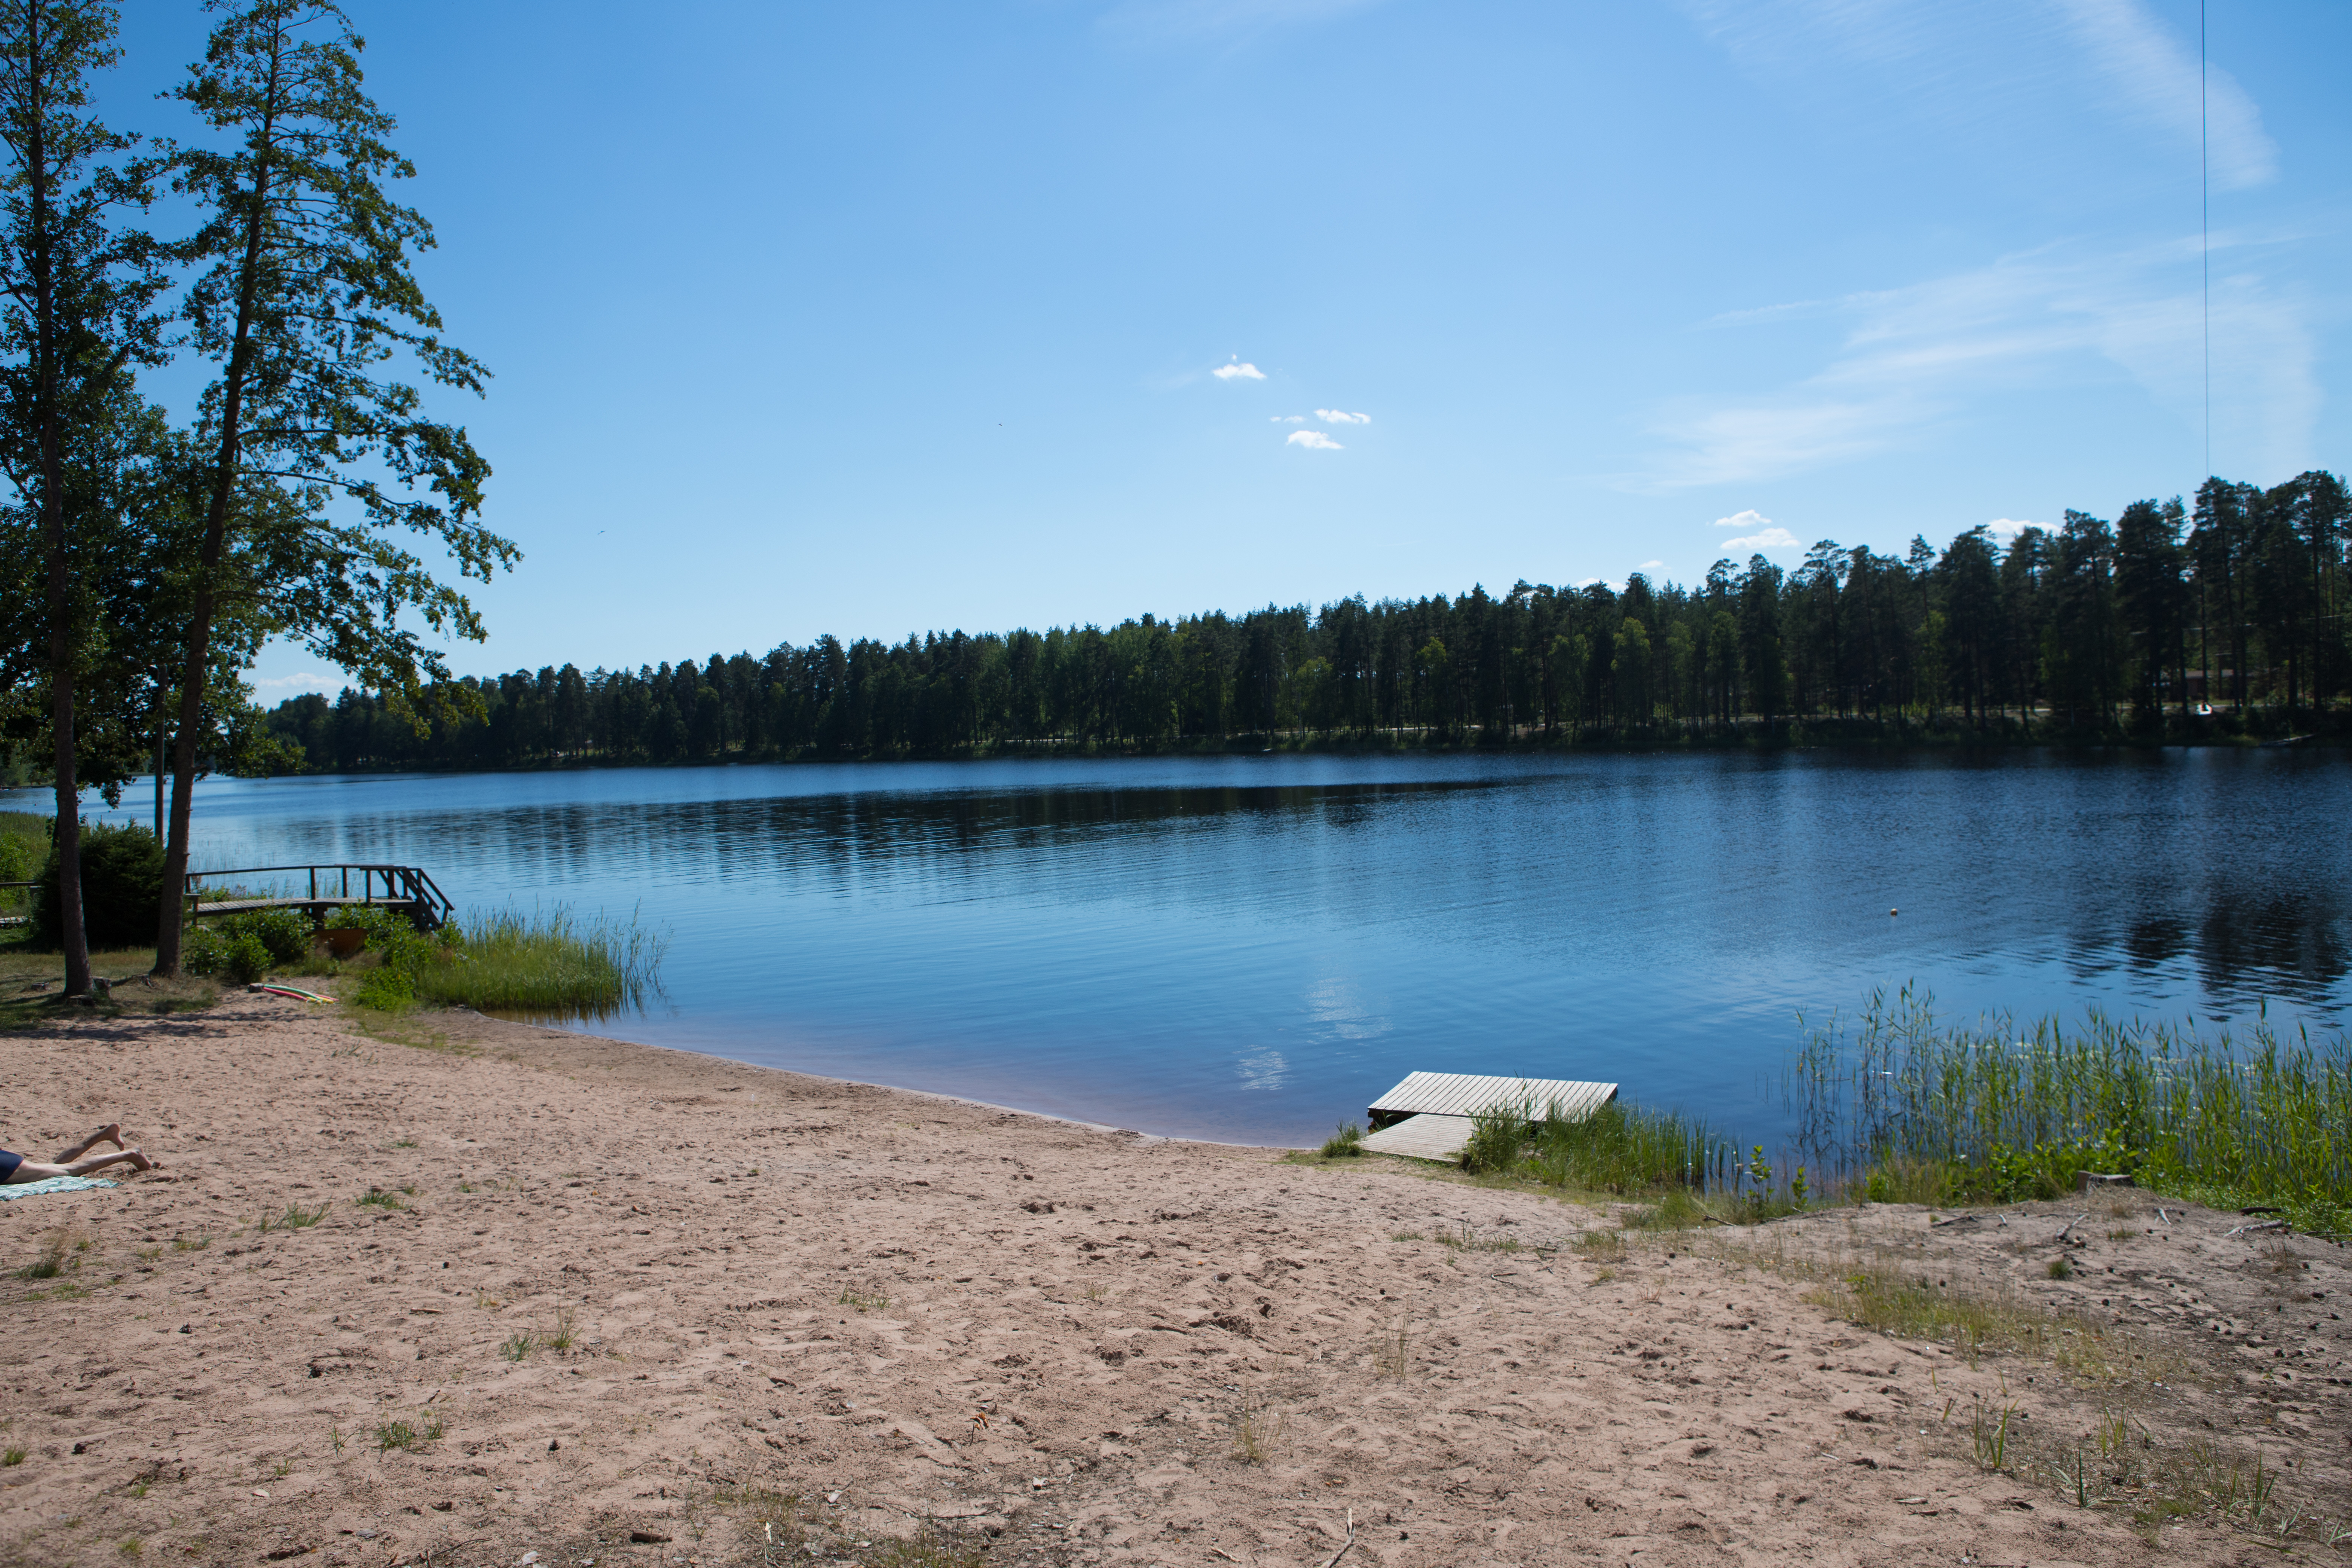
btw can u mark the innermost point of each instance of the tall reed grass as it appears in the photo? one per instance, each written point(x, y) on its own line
point(1619, 1149)
point(1999, 1111)
point(543, 964)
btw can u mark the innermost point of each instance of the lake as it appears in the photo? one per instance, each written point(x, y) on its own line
point(1250, 948)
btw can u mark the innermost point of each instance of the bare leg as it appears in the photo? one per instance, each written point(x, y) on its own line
point(109, 1133)
point(42, 1169)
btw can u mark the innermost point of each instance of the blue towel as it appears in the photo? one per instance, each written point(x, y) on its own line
point(51, 1184)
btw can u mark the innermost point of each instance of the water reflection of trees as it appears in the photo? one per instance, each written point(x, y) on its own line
point(2292, 942)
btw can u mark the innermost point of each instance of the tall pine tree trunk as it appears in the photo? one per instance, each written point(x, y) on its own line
point(169, 916)
point(71, 931)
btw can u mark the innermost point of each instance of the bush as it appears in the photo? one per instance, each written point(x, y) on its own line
point(121, 889)
point(387, 989)
point(245, 946)
point(243, 957)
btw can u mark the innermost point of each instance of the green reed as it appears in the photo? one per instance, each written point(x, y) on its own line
point(542, 964)
point(1619, 1149)
point(2001, 1110)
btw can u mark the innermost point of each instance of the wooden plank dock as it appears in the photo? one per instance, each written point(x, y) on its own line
point(407, 888)
point(1430, 1115)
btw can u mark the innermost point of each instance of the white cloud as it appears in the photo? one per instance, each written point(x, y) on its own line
point(1767, 538)
point(1751, 517)
point(1340, 416)
point(1289, 419)
point(2002, 72)
point(2154, 77)
point(1238, 368)
point(2008, 528)
point(1911, 356)
point(293, 683)
point(1313, 440)
point(1649, 566)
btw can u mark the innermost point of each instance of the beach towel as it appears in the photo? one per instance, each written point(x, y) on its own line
point(52, 1184)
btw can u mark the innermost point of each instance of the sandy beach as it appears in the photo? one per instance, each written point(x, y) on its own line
point(625, 1305)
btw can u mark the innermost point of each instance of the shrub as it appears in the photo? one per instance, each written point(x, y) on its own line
point(387, 989)
point(243, 957)
point(245, 946)
point(121, 889)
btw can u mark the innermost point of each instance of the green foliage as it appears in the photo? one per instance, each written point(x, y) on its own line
point(387, 989)
point(121, 889)
point(543, 964)
point(1617, 1147)
point(1345, 1143)
point(2000, 1112)
point(24, 843)
point(245, 947)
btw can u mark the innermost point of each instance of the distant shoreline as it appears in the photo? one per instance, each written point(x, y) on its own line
point(2257, 730)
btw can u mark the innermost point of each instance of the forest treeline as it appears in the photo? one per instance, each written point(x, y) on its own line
point(2097, 628)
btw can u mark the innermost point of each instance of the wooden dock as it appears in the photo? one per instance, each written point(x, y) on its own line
point(1430, 1115)
point(406, 888)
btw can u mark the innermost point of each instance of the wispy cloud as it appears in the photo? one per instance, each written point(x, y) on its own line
point(1764, 539)
point(1290, 420)
point(1340, 416)
point(1313, 440)
point(2003, 68)
point(1913, 356)
point(2153, 76)
point(311, 681)
point(2008, 528)
point(1238, 369)
point(1649, 566)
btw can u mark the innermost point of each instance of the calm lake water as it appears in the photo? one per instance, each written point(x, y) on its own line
point(1251, 948)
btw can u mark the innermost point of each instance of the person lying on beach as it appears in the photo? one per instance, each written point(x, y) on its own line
point(77, 1161)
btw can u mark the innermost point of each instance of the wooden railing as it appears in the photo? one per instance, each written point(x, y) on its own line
point(402, 887)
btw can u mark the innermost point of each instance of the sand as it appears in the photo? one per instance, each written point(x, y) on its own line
point(636, 1305)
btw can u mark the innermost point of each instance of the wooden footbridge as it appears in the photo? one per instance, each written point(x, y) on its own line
point(406, 888)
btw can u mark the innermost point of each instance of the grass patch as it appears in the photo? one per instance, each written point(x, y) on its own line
point(1997, 1111)
point(519, 1345)
point(402, 1434)
point(377, 1198)
point(1903, 1306)
point(51, 1260)
point(863, 1300)
point(296, 1217)
point(1346, 1144)
point(1601, 1246)
point(32, 990)
point(1257, 1430)
point(12, 1457)
point(544, 965)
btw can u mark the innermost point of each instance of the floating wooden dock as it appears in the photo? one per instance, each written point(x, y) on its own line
point(1429, 1116)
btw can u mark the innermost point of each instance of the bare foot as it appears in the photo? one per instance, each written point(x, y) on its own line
point(138, 1160)
point(109, 1133)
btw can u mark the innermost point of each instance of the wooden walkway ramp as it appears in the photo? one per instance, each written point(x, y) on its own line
point(1429, 1116)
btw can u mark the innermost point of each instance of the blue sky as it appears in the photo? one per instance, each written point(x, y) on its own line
point(872, 319)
